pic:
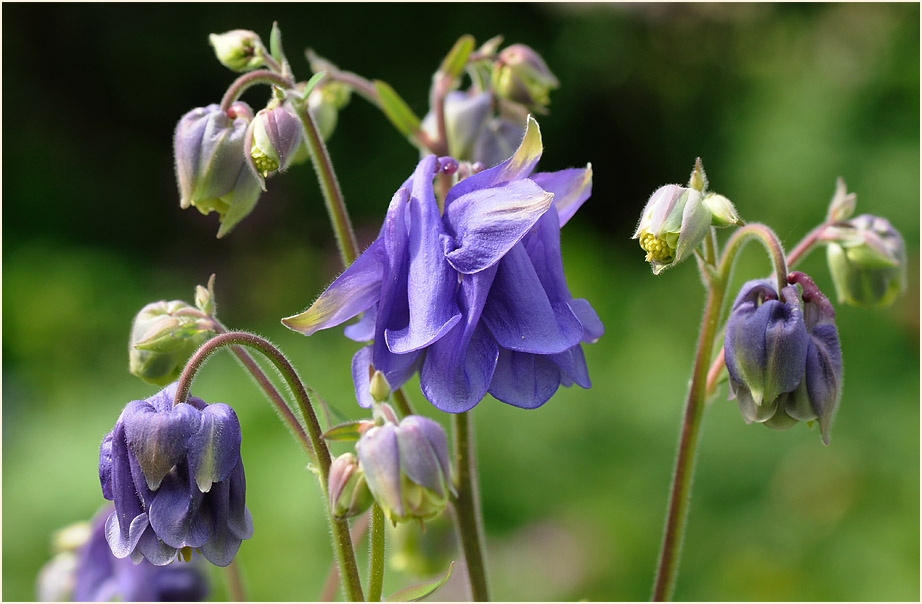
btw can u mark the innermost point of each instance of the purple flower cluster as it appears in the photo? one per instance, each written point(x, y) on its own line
point(176, 478)
point(473, 298)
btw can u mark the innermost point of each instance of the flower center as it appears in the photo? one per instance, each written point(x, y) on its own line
point(657, 249)
point(264, 164)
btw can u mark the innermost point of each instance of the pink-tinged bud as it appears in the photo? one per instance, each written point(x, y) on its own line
point(349, 494)
point(867, 260)
point(210, 167)
point(521, 76)
point(272, 141)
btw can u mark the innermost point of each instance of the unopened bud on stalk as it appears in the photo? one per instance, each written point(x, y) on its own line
point(349, 494)
point(272, 141)
point(521, 75)
point(867, 260)
point(238, 49)
point(163, 338)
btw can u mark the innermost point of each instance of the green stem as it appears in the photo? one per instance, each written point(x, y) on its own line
point(253, 78)
point(329, 186)
point(402, 403)
point(376, 557)
point(680, 493)
point(342, 544)
point(236, 591)
point(467, 507)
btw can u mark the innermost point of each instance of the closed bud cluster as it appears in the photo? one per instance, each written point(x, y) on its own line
point(349, 494)
point(677, 219)
point(210, 166)
point(521, 76)
point(867, 260)
point(238, 49)
point(783, 356)
point(163, 337)
point(406, 466)
point(272, 141)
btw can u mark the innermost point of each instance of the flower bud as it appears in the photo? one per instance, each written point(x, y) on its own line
point(349, 494)
point(163, 339)
point(723, 212)
point(407, 467)
point(378, 387)
point(210, 166)
point(782, 355)
point(272, 141)
point(867, 260)
point(520, 75)
point(842, 205)
point(466, 117)
point(238, 49)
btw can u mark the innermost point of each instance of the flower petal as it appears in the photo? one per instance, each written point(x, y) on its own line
point(355, 290)
point(571, 188)
point(362, 368)
point(239, 520)
point(519, 314)
point(696, 222)
point(486, 223)
point(519, 166)
point(123, 542)
point(431, 282)
point(524, 380)
point(158, 440)
point(417, 459)
point(435, 434)
point(170, 513)
point(592, 324)
point(364, 329)
point(380, 459)
point(222, 544)
point(572, 365)
point(214, 450)
point(823, 375)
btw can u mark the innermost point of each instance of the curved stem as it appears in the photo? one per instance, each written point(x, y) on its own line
point(329, 186)
point(680, 493)
point(247, 80)
point(376, 557)
point(806, 244)
point(342, 544)
point(467, 507)
point(402, 402)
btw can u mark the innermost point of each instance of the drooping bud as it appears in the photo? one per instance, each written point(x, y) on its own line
point(238, 49)
point(349, 494)
point(163, 338)
point(783, 355)
point(677, 219)
point(867, 260)
point(272, 141)
point(210, 166)
point(521, 75)
point(407, 467)
point(466, 116)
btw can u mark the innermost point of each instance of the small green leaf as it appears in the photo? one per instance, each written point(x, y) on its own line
point(348, 431)
point(421, 591)
point(396, 109)
point(329, 413)
point(275, 43)
point(312, 83)
point(454, 62)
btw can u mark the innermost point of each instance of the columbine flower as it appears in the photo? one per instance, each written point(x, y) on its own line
point(522, 76)
point(867, 260)
point(176, 478)
point(479, 289)
point(84, 570)
point(676, 219)
point(406, 466)
point(163, 337)
point(782, 355)
point(208, 148)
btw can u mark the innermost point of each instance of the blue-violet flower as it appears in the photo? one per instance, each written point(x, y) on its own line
point(176, 478)
point(475, 298)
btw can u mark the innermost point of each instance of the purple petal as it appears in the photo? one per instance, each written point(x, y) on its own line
point(105, 466)
point(222, 545)
point(592, 325)
point(417, 459)
point(823, 375)
point(571, 188)
point(158, 440)
point(362, 368)
point(239, 520)
point(122, 489)
point(458, 368)
point(543, 247)
point(171, 511)
point(524, 380)
point(519, 314)
point(517, 167)
point(572, 365)
point(364, 329)
point(435, 434)
point(154, 550)
point(355, 290)
point(214, 450)
point(486, 223)
point(431, 282)
point(380, 459)
point(122, 541)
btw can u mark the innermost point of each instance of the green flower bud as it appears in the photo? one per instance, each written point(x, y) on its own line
point(867, 260)
point(378, 387)
point(723, 212)
point(272, 141)
point(163, 337)
point(842, 205)
point(238, 49)
point(520, 75)
point(349, 494)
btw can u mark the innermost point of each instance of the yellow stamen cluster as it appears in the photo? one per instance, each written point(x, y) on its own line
point(657, 249)
point(264, 164)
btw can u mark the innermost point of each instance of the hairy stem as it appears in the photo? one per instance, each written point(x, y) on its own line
point(467, 507)
point(253, 78)
point(376, 554)
point(680, 492)
point(342, 544)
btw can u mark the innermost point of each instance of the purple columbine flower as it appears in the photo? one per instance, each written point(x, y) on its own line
point(783, 355)
point(176, 478)
point(101, 577)
point(474, 298)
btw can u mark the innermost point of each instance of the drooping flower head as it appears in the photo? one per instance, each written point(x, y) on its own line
point(176, 478)
point(84, 570)
point(474, 298)
point(210, 169)
point(163, 337)
point(782, 354)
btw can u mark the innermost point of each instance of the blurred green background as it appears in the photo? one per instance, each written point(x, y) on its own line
point(778, 100)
